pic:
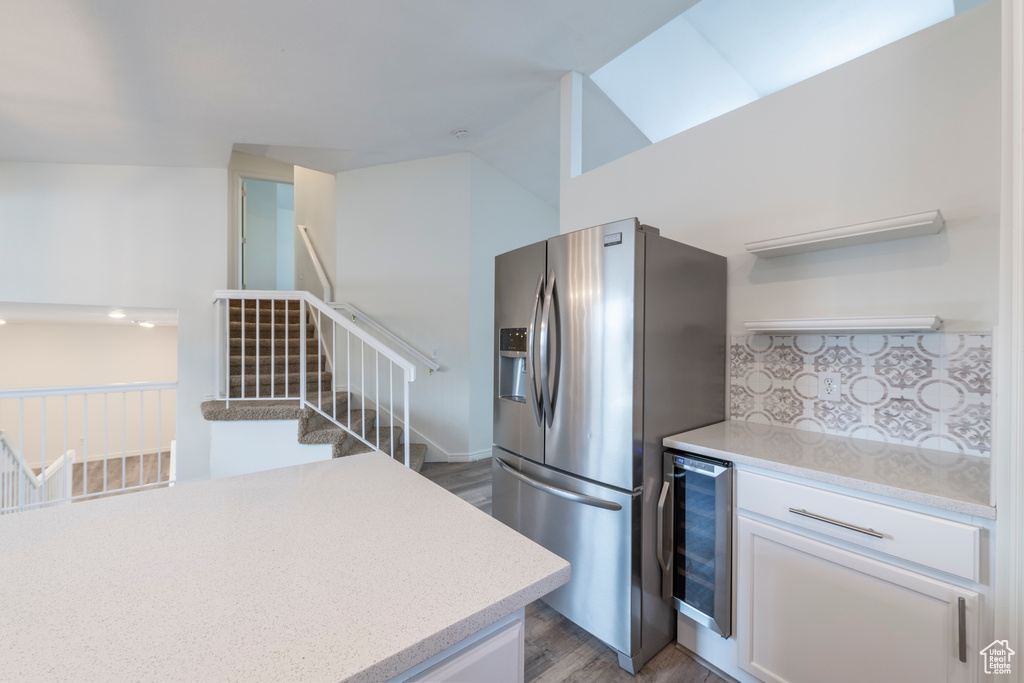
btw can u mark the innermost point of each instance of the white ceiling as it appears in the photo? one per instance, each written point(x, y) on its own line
point(338, 84)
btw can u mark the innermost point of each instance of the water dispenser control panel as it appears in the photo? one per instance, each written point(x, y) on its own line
point(512, 342)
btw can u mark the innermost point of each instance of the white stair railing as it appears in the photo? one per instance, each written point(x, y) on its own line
point(252, 367)
point(385, 335)
point(21, 487)
point(108, 425)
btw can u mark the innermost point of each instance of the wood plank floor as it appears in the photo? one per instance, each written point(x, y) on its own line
point(557, 649)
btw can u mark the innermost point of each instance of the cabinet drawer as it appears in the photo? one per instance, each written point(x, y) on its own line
point(941, 544)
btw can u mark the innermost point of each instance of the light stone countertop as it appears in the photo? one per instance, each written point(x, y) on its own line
point(948, 481)
point(349, 569)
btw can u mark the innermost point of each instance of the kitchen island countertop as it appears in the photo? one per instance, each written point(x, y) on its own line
point(348, 569)
point(948, 481)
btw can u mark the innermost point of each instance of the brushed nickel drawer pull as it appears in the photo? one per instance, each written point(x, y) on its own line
point(962, 628)
point(836, 522)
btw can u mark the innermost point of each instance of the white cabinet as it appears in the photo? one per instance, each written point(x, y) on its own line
point(498, 658)
point(495, 654)
point(808, 611)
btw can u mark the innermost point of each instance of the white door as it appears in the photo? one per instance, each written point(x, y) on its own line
point(810, 612)
point(267, 235)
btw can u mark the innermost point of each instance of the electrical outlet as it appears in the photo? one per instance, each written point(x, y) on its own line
point(829, 386)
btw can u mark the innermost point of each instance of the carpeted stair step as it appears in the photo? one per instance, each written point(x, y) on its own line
point(267, 328)
point(294, 310)
point(417, 455)
point(357, 446)
point(278, 343)
point(317, 429)
point(279, 361)
point(284, 386)
point(313, 379)
point(417, 451)
point(272, 409)
point(223, 411)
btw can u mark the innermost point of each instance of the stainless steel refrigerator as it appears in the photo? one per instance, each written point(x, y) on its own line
point(607, 340)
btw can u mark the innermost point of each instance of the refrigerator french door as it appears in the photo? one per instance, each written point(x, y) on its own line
point(607, 339)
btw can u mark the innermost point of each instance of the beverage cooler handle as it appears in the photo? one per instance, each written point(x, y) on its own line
point(663, 561)
point(661, 526)
point(535, 394)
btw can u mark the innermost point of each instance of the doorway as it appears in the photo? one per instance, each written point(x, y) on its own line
point(268, 243)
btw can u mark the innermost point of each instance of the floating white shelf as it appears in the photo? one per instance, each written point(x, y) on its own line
point(914, 323)
point(928, 223)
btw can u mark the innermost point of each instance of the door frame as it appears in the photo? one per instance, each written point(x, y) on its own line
point(235, 178)
point(1008, 454)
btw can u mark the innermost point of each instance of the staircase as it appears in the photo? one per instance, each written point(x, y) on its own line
point(264, 382)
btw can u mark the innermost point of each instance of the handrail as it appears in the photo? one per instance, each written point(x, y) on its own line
point(323, 317)
point(303, 230)
point(29, 474)
point(51, 469)
point(87, 389)
point(383, 331)
point(325, 309)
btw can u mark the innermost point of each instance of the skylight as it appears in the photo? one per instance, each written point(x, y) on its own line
point(722, 54)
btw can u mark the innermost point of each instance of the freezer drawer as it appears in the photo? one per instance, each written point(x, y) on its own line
point(589, 525)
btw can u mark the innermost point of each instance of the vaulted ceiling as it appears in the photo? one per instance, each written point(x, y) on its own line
point(354, 82)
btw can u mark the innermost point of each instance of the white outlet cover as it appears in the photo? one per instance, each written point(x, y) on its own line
point(830, 385)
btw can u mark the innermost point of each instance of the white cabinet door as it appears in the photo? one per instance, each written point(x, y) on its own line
point(810, 612)
point(497, 658)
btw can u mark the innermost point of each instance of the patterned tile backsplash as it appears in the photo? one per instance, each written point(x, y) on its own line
point(927, 390)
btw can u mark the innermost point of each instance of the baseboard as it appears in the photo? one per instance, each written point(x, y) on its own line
point(437, 454)
point(469, 457)
point(706, 664)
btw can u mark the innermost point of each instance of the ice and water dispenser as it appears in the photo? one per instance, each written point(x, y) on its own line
point(512, 381)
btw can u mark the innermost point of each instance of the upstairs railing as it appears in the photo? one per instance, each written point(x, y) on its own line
point(252, 367)
point(21, 487)
point(72, 443)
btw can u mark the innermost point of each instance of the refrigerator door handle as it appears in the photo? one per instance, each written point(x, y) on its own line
point(561, 493)
point(535, 392)
point(548, 391)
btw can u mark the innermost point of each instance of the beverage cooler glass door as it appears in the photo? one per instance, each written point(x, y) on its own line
point(696, 538)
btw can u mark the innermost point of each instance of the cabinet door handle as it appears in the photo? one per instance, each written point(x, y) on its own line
point(962, 614)
point(836, 522)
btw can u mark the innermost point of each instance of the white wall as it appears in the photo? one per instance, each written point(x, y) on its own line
point(416, 248)
point(128, 236)
point(63, 354)
point(244, 447)
point(505, 216)
point(910, 127)
point(403, 255)
point(316, 208)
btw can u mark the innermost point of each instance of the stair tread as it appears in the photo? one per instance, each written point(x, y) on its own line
point(318, 429)
point(269, 409)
